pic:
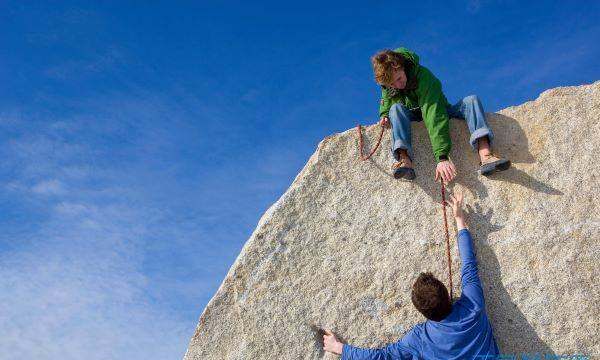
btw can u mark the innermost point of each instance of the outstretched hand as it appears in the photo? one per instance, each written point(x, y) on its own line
point(445, 170)
point(456, 203)
point(331, 343)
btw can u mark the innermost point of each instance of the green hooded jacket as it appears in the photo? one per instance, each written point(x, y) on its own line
point(422, 91)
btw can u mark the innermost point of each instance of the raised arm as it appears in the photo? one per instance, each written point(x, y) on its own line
point(471, 285)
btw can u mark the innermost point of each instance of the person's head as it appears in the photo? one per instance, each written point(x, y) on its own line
point(430, 297)
point(389, 68)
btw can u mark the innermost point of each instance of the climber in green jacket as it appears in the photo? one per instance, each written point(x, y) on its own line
point(410, 92)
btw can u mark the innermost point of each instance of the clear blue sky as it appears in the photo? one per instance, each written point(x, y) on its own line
point(141, 141)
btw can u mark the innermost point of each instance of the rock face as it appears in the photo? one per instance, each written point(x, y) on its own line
point(342, 247)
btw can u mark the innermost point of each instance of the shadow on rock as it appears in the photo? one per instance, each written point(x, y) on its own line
point(512, 330)
point(384, 171)
point(519, 177)
point(510, 141)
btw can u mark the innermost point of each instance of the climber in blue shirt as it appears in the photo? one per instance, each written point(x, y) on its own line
point(452, 331)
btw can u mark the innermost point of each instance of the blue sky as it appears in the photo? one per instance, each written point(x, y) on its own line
point(142, 141)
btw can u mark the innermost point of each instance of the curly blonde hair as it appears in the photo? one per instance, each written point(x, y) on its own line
point(384, 63)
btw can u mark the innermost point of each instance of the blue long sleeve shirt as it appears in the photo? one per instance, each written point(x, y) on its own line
point(466, 333)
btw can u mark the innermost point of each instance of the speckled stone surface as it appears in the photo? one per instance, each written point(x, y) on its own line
point(342, 247)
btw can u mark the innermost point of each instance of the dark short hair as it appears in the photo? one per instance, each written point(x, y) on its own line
point(430, 297)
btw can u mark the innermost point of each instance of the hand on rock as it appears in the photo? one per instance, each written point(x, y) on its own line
point(331, 343)
point(385, 122)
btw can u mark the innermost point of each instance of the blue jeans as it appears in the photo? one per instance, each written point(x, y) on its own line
point(469, 109)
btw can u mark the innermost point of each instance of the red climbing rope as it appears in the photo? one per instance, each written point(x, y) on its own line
point(363, 157)
point(360, 143)
point(447, 238)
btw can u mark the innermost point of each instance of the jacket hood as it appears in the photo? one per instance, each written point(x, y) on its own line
point(411, 70)
point(409, 55)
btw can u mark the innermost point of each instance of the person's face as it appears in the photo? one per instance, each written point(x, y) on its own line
point(398, 79)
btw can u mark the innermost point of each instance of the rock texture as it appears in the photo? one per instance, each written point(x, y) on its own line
point(342, 247)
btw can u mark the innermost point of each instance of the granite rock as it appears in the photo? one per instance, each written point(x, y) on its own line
point(341, 248)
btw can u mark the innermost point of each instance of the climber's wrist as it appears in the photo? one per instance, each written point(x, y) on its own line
point(339, 348)
point(460, 222)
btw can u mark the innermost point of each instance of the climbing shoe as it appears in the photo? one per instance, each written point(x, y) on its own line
point(492, 164)
point(401, 171)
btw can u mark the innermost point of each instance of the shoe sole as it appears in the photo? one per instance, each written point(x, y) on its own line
point(405, 173)
point(496, 166)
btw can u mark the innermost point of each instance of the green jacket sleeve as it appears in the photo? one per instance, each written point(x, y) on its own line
point(433, 109)
point(384, 104)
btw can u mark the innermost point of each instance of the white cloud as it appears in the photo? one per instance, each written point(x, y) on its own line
point(74, 286)
point(78, 292)
point(49, 187)
point(94, 276)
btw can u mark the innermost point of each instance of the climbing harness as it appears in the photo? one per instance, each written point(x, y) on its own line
point(360, 143)
point(367, 157)
point(447, 238)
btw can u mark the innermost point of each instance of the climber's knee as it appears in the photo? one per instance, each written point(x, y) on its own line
point(471, 99)
point(398, 107)
point(399, 112)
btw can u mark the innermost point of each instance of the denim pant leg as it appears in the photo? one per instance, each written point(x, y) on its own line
point(400, 118)
point(470, 109)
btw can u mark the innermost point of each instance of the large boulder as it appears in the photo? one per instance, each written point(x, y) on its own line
point(342, 247)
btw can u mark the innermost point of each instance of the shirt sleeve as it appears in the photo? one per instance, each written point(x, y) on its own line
point(396, 351)
point(433, 110)
point(471, 285)
point(384, 104)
